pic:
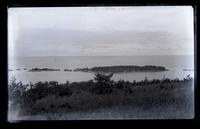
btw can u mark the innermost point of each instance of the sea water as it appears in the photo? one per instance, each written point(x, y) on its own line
point(174, 64)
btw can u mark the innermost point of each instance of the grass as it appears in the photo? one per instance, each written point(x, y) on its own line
point(52, 97)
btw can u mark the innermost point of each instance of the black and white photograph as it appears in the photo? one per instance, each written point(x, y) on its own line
point(101, 63)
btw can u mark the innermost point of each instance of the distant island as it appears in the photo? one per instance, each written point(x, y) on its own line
point(188, 69)
point(43, 69)
point(119, 69)
point(107, 69)
point(69, 70)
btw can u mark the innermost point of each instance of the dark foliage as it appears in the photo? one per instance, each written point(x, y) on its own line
point(43, 69)
point(28, 94)
point(125, 86)
point(16, 90)
point(68, 70)
point(118, 69)
point(104, 84)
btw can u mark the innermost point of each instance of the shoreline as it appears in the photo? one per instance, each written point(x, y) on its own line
point(104, 69)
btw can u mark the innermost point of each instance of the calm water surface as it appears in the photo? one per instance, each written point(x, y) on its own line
point(175, 64)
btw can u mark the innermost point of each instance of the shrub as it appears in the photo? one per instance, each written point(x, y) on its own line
point(103, 84)
point(40, 90)
point(50, 96)
point(61, 90)
point(124, 86)
point(16, 90)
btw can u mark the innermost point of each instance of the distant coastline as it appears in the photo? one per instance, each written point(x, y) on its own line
point(43, 69)
point(120, 69)
point(106, 69)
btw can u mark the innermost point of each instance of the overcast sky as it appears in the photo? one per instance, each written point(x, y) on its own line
point(100, 31)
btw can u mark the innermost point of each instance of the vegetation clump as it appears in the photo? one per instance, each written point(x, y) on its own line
point(42, 69)
point(119, 69)
point(102, 91)
point(68, 70)
point(104, 84)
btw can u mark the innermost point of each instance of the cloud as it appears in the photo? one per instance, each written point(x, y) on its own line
point(101, 31)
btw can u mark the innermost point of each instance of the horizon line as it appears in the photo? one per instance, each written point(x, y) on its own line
point(98, 55)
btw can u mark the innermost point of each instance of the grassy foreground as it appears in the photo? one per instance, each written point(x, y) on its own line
point(101, 92)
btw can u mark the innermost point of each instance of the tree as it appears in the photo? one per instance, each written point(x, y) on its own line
point(103, 83)
point(16, 90)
